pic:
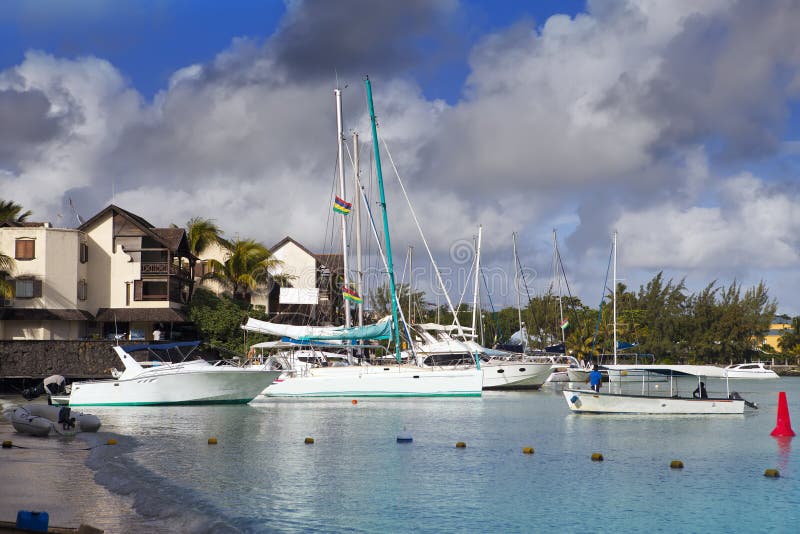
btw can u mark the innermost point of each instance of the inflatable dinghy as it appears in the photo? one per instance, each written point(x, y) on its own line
point(42, 419)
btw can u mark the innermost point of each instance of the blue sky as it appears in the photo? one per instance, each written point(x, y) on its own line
point(675, 123)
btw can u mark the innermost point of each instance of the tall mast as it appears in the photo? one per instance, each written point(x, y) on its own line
point(346, 303)
point(390, 263)
point(410, 278)
point(615, 297)
point(475, 303)
point(516, 284)
point(359, 267)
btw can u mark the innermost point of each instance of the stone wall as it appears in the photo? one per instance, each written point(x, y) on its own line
point(72, 359)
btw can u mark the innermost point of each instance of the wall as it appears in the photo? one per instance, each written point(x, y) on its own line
point(73, 359)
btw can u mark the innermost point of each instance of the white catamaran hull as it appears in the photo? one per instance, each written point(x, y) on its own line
point(212, 386)
point(379, 381)
point(583, 401)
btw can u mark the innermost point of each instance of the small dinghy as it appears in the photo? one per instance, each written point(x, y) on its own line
point(42, 420)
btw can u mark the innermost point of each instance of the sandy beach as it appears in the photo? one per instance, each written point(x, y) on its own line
point(50, 474)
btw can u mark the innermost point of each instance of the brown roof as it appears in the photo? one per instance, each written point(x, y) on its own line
point(43, 314)
point(161, 315)
point(171, 237)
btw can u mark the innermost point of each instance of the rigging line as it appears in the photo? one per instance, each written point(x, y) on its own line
point(424, 241)
point(528, 306)
point(569, 291)
point(602, 298)
point(464, 290)
point(498, 332)
point(386, 264)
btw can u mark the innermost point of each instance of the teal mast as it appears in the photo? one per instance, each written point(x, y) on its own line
point(376, 148)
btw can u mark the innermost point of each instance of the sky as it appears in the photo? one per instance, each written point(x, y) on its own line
point(675, 124)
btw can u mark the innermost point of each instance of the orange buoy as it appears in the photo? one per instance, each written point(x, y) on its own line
point(355, 401)
point(676, 464)
point(597, 457)
point(772, 473)
point(7, 444)
point(783, 426)
point(461, 445)
point(212, 441)
point(527, 450)
point(309, 441)
point(112, 441)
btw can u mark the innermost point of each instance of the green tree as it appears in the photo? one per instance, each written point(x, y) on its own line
point(11, 211)
point(246, 268)
point(219, 320)
point(201, 233)
point(381, 303)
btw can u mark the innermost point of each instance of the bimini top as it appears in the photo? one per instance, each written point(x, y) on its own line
point(160, 346)
point(322, 333)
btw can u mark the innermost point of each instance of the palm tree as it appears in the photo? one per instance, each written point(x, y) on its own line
point(202, 233)
point(247, 267)
point(6, 268)
point(11, 211)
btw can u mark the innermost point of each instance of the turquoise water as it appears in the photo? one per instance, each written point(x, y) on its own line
point(262, 477)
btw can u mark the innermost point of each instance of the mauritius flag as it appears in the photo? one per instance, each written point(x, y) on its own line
point(340, 206)
point(564, 324)
point(351, 295)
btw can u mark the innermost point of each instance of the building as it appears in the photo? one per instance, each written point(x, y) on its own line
point(779, 324)
point(115, 275)
point(303, 292)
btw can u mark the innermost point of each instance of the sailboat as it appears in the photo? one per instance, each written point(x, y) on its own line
point(360, 378)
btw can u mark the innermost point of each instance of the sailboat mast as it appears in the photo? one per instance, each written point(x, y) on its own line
point(477, 283)
point(346, 303)
point(390, 263)
point(410, 283)
point(357, 209)
point(516, 284)
point(615, 297)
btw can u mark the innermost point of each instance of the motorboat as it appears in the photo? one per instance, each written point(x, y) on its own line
point(749, 370)
point(185, 382)
point(439, 346)
point(647, 401)
point(43, 420)
point(589, 401)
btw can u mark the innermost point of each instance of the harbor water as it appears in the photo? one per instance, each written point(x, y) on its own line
point(261, 476)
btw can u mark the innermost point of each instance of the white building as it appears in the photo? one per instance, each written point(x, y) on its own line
point(115, 274)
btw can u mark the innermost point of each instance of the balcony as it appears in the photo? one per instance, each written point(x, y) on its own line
point(162, 268)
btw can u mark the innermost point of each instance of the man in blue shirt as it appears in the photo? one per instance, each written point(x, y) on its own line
point(595, 378)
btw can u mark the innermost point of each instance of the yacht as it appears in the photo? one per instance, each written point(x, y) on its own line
point(749, 370)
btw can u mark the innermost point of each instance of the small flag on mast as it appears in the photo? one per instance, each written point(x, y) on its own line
point(351, 295)
point(564, 324)
point(341, 206)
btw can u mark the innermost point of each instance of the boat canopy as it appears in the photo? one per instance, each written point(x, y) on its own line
point(323, 333)
point(707, 371)
point(161, 346)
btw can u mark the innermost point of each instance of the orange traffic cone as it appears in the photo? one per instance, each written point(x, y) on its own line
point(783, 427)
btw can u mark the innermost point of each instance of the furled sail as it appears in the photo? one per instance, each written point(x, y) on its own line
point(373, 331)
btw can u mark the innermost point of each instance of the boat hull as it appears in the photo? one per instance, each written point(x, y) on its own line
point(211, 386)
point(379, 381)
point(515, 375)
point(584, 401)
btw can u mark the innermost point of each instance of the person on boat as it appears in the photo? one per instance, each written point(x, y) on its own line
point(700, 392)
point(595, 378)
point(52, 385)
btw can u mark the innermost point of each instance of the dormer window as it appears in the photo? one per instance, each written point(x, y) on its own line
point(24, 249)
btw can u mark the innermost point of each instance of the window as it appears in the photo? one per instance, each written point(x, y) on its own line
point(84, 252)
point(150, 290)
point(27, 288)
point(82, 289)
point(25, 249)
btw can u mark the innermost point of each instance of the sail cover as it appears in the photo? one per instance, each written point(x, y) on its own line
point(304, 333)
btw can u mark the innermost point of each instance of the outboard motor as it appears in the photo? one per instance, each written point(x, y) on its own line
point(64, 418)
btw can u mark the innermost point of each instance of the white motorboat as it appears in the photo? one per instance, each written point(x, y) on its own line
point(185, 382)
point(588, 401)
point(43, 420)
point(435, 346)
point(749, 370)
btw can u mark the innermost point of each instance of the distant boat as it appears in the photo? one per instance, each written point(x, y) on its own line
point(186, 382)
point(749, 370)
